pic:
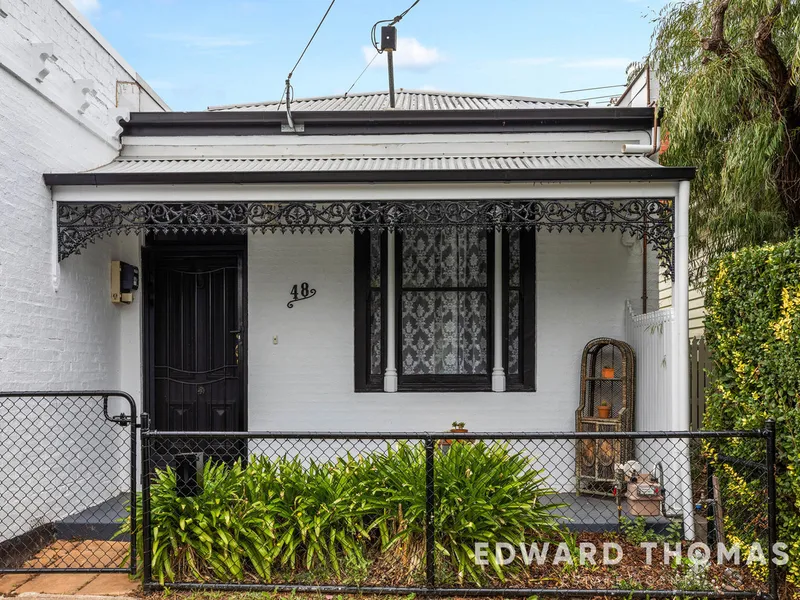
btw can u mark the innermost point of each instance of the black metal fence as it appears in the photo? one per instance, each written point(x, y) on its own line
point(661, 514)
point(67, 481)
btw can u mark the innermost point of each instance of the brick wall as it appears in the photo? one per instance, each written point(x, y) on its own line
point(305, 382)
point(67, 337)
point(58, 329)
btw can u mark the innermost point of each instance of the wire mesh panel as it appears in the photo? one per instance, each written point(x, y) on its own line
point(458, 513)
point(66, 480)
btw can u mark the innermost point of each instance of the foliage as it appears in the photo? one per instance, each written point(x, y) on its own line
point(691, 574)
point(753, 333)
point(728, 71)
point(291, 516)
point(637, 531)
point(484, 493)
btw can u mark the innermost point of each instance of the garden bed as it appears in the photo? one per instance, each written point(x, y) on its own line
point(360, 521)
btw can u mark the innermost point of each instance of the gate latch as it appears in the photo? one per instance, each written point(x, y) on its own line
point(121, 419)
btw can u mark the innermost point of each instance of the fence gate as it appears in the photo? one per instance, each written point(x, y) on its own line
point(699, 366)
point(67, 480)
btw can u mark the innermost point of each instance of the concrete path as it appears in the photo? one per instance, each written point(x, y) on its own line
point(72, 585)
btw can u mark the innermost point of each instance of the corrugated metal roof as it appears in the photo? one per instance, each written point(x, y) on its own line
point(405, 100)
point(372, 163)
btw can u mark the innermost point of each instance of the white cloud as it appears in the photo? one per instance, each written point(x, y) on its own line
point(87, 6)
point(598, 63)
point(410, 54)
point(204, 41)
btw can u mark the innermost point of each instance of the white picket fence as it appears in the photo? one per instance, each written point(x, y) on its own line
point(650, 335)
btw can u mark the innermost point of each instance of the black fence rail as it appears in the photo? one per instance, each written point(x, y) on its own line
point(67, 481)
point(651, 514)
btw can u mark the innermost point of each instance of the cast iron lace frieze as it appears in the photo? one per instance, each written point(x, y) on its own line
point(81, 224)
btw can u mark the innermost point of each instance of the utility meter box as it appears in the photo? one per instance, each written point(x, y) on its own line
point(124, 281)
point(644, 495)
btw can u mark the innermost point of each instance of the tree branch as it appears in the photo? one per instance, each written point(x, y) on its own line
point(784, 91)
point(717, 42)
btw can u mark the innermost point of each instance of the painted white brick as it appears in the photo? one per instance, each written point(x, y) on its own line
point(69, 339)
point(305, 382)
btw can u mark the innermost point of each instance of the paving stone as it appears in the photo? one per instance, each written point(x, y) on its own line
point(56, 583)
point(111, 584)
point(8, 583)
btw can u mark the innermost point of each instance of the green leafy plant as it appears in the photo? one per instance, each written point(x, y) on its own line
point(304, 517)
point(691, 575)
point(484, 493)
point(753, 335)
point(636, 531)
point(210, 534)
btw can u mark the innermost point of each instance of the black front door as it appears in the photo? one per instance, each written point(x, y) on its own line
point(196, 354)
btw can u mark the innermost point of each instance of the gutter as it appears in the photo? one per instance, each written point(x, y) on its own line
point(407, 121)
point(395, 176)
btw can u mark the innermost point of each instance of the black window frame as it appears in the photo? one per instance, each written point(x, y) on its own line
point(524, 381)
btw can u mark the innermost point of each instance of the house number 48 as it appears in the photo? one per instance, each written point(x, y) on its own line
point(299, 292)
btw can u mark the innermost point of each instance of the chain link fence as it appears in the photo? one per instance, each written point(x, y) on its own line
point(478, 514)
point(67, 481)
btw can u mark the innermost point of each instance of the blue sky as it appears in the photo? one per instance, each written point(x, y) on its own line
point(197, 53)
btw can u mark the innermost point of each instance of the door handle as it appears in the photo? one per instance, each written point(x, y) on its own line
point(238, 334)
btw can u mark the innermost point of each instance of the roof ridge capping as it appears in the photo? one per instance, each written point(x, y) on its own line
point(344, 98)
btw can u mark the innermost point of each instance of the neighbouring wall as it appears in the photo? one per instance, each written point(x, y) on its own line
point(58, 328)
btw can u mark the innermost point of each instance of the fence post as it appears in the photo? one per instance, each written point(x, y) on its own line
point(430, 500)
point(772, 508)
point(133, 492)
point(147, 542)
point(711, 513)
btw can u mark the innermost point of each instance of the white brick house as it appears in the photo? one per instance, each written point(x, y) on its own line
point(186, 183)
point(361, 268)
point(351, 268)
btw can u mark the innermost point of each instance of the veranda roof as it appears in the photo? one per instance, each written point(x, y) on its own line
point(373, 168)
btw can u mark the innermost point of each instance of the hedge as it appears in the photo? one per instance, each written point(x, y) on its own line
point(753, 334)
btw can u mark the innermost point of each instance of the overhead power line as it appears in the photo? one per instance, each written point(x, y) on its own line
point(391, 22)
point(602, 87)
point(369, 64)
point(287, 91)
point(313, 35)
point(593, 98)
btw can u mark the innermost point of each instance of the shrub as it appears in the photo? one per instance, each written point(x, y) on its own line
point(753, 334)
point(484, 493)
point(287, 515)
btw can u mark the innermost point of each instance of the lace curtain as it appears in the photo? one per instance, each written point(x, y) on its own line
point(443, 303)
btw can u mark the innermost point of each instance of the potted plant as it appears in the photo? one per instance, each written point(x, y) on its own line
point(608, 372)
point(456, 427)
point(604, 410)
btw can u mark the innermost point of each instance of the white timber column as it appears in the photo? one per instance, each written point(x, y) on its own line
point(390, 376)
point(680, 353)
point(498, 372)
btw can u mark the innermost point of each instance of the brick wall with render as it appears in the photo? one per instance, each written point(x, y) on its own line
point(58, 328)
